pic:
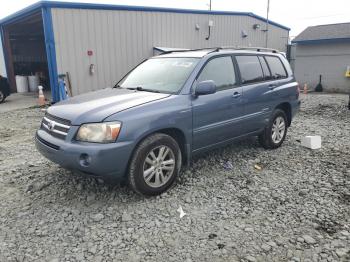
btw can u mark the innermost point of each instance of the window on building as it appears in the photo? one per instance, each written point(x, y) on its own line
point(277, 69)
point(221, 71)
point(250, 68)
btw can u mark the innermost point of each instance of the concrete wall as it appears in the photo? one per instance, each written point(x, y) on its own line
point(2, 61)
point(121, 39)
point(328, 60)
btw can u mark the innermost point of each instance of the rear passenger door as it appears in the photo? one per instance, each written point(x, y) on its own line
point(216, 117)
point(257, 93)
point(279, 78)
point(262, 79)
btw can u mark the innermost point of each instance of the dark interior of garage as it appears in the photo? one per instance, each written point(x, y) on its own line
point(25, 51)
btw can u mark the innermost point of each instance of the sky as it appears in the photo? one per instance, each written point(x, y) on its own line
point(295, 14)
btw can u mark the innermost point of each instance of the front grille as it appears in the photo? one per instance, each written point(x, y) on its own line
point(58, 119)
point(55, 126)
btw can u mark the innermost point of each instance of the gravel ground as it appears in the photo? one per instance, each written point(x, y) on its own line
point(296, 208)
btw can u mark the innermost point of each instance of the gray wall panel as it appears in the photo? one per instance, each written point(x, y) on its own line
point(328, 60)
point(121, 39)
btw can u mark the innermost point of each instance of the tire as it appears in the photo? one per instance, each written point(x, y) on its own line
point(148, 173)
point(2, 96)
point(267, 138)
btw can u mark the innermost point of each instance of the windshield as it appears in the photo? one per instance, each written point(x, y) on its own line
point(164, 75)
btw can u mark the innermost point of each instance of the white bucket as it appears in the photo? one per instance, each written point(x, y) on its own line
point(33, 83)
point(22, 84)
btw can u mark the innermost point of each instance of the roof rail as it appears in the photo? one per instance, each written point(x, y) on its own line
point(258, 49)
point(190, 50)
point(217, 49)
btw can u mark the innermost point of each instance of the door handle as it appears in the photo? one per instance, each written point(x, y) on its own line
point(236, 95)
point(272, 86)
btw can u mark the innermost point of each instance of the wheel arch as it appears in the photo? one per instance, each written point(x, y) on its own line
point(287, 108)
point(180, 138)
point(177, 134)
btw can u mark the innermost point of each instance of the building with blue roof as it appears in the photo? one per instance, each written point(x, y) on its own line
point(97, 44)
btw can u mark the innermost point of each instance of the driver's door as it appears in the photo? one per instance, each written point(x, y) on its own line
point(216, 117)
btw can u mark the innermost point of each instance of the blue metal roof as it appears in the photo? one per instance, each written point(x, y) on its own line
point(52, 4)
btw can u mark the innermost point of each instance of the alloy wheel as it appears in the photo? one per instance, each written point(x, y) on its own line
point(159, 166)
point(278, 129)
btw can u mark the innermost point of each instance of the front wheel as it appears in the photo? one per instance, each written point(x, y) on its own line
point(154, 165)
point(276, 130)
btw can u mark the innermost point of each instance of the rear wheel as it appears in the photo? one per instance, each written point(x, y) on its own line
point(276, 130)
point(2, 96)
point(154, 165)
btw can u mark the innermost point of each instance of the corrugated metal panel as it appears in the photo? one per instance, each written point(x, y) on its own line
point(121, 39)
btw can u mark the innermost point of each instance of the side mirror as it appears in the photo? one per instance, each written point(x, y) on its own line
point(205, 88)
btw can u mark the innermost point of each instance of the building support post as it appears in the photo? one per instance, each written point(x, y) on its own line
point(50, 52)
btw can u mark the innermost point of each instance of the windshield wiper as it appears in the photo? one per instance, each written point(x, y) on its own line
point(139, 88)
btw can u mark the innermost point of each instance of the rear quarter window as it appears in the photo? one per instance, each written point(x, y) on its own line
point(276, 67)
point(250, 69)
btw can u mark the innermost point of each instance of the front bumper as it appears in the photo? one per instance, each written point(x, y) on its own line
point(91, 158)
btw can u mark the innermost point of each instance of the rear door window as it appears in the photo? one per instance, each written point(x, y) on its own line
point(250, 68)
point(277, 69)
point(221, 71)
point(265, 68)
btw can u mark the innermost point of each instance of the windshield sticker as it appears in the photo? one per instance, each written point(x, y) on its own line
point(182, 64)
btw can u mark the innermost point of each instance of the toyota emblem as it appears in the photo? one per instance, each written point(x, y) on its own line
point(50, 125)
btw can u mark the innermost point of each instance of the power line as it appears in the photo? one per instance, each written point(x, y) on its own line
point(323, 16)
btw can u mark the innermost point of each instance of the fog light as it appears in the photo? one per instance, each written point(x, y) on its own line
point(85, 160)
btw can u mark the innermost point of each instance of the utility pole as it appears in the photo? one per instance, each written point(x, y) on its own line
point(210, 5)
point(267, 23)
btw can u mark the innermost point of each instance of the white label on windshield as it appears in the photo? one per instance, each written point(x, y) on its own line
point(182, 64)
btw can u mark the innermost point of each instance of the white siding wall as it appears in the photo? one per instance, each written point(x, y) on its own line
point(2, 61)
point(122, 39)
point(328, 60)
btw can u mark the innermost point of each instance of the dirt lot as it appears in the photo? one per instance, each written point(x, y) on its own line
point(297, 208)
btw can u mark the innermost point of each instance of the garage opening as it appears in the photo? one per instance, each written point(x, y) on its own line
point(26, 54)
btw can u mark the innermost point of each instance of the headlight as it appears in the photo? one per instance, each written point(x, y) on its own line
point(99, 133)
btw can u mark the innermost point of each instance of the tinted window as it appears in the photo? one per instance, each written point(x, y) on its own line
point(265, 68)
point(250, 69)
point(221, 71)
point(276, 67)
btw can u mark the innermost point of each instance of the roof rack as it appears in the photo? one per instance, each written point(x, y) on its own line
point(189, 50)
point(217, 49)
point(258, 49)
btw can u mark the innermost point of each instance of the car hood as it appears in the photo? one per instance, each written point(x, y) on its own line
point(96, 106)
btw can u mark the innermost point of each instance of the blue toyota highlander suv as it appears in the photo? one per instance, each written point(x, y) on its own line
point(169, 108)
